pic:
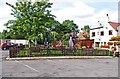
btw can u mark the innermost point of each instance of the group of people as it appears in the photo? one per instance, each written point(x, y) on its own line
point(72, 40)
point(115, 50)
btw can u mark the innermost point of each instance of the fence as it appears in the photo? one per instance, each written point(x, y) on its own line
point(38, 51)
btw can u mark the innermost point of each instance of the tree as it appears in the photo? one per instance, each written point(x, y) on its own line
point(65, 28)
point(86, 31)
point(32, 20)
point(5, 35)
point(0, 35)
point(86, 28)
point(69, 26)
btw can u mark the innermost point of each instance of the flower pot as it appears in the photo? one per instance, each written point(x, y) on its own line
point(110, 53)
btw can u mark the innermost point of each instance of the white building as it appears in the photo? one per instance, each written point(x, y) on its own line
point(16, 41)
point(102, 34)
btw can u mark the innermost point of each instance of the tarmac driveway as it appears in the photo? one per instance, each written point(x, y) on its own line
point(60, 68)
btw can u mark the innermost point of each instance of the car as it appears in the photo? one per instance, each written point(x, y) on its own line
point(19, 44)
point(6, 46)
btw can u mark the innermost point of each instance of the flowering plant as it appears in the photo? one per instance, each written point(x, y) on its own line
point(110, 43)
point(118, 43)
point(116, 38)
point(105, 46)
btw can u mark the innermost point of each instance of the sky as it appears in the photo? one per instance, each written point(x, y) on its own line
point(82, 12)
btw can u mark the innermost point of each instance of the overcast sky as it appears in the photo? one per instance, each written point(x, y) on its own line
point(82, 12)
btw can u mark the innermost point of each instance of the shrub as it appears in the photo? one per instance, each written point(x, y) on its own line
point(105, 46)
point(55, 43)
point(99, 48)
point(66, 42)
point(117, 38)
point(110, 53)
point(110, 43)
point(118, 43)
point(83, 47)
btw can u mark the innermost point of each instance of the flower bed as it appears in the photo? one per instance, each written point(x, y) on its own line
point(118, 43)
point(105, 46)
point(36, 51)
point(110, 43)
point(115, 38)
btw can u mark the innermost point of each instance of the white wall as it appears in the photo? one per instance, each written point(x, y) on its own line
point(106, 36)
point(24, 42)
point(119, 31)
point(119, 35)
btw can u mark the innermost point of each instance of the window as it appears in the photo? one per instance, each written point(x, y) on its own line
point(101, 42)
point(93, 34)
point(102, 33)
point(110, 32)
point(104, 42)
point(98, 33)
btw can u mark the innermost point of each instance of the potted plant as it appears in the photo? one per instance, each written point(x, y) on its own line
point(118, 44)
point(118, 38)
point(115, 38)
point(110, 43)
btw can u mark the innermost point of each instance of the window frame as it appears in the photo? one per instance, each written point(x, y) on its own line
point(93, 34)
point(101, 33)
point(111, 32)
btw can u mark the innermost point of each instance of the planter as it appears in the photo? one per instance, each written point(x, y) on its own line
point(110, 53)
point(118, 46)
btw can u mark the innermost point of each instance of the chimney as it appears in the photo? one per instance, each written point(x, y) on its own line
point(107, 17)
point(99, 23)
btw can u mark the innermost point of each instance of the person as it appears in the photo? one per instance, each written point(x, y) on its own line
point(61, 42)
point(74, 39)
point(70, 41)
point(45, 43)
point(116, 52)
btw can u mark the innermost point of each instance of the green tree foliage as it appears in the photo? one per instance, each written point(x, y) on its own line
point(66, 27)
point(86, 31)
point(86, 28)
point(0, 35)
point(34, 21)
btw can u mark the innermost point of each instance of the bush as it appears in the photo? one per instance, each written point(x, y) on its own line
point(99, 48)
point(110, 53)
point(110, 43)
point(83, 47)
point(118, 43)
point(116, 38)
point(66, 43)
point(105, 46)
